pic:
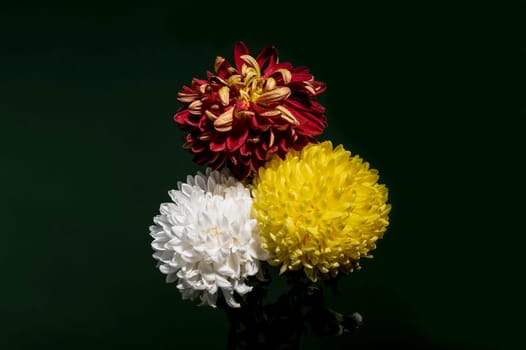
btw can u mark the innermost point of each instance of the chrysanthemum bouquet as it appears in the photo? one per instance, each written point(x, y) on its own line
point(272, 202)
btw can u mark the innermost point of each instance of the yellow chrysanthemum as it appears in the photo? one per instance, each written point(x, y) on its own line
point(319, 209)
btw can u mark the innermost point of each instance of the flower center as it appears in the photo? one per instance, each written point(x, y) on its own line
point(213, 232)
point(249, 86)
point(248, 83)
point(219, 237)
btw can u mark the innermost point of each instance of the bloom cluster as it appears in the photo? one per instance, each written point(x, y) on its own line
point(243, 113)
point(271, 193)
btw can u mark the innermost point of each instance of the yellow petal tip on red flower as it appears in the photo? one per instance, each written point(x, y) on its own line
point(319, 209)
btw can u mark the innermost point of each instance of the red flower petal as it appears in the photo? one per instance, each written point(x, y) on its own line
point(236, 138)
point(259, 153)
point(217, 145)
point(196, 148)
point(300, 74)
point(204, 157)
point(304, 105)
point(240, 49)
point(217, 160)
point(182, 116)
point(268, 55)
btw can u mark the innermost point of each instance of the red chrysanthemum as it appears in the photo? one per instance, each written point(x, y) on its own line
point(243, 113)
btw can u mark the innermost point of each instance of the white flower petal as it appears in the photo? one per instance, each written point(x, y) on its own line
point(187, 189)
point(222, 282)
point(229, 298)
point(167, 269)
point(159, 244)
point(171, 277)
point(209, 299)
point(166, 256)
point(167, 208)
point(200, 182)
point(226, 270)
point(189, 180)
point(178, 231)
point(242, 289)
point(210, 184)
point(251, 268)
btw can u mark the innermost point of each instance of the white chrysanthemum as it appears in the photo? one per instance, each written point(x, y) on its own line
point(206, 240)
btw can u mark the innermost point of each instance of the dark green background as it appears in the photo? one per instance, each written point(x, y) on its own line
point(430, 95)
